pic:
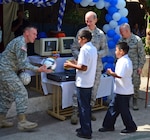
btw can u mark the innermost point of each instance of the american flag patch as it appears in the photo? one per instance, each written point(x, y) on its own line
point(24, 48)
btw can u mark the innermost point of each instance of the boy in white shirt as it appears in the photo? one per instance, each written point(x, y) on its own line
point(85, 76)
point(123, 88)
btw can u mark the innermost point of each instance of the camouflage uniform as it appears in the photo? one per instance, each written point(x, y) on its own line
point(137, 55)
point(99, 41)
point(13, 59)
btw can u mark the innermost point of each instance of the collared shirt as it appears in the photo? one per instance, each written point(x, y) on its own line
point(124, 69)
point(136, 51)
point(98, 40)
point(87, 57)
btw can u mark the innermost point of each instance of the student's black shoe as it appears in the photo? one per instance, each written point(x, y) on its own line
point(78, 129)
point(84, 136)
point(106, 129)
point(128, 131)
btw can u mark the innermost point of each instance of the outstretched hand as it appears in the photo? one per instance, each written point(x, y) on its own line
point(44, 69)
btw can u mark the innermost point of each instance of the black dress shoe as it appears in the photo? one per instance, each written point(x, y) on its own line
point(128, 131)
point(78, 129)
point(84, 136)
point(105, 129)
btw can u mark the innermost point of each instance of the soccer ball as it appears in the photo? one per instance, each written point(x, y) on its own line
point(25, 78)
point(50, 63)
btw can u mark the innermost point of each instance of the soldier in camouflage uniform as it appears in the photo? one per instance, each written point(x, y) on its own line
point(12, 60)
point(99, 41)
point(137, 55)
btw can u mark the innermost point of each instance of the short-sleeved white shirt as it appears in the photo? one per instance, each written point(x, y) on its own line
point(124, 69)
point(87, 57)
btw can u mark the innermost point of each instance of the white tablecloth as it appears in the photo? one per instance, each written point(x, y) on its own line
point(67, 88)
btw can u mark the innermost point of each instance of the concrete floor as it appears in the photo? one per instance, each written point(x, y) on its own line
point(53, 129)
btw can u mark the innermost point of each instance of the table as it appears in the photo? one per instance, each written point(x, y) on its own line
point(62, 91)
point(67, 88)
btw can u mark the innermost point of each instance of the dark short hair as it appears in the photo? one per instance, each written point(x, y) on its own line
point(85, 34)
point(123, 46)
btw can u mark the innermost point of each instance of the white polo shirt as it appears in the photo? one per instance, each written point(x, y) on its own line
point(124, 69)
point(87, 57)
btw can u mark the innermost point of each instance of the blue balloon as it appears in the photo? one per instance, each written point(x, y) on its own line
point(111, 33)
point(104, 59)
point(116, 38)
point(107, 0)
point(113, 2)
point(105, 98)
point(111, 44)
point(41, 35)
point(122, 20)
point(77, 1)
point(112, 10)
point(95, 0)
point(109, 66)
point(110, 59)
point(108, 18)
point(26, 1)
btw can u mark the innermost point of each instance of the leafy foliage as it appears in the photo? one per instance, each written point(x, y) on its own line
point(147, 48)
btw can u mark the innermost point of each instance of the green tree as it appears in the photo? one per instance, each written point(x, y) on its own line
point(146, 6)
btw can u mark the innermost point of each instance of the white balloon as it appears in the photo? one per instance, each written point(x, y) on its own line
point(85, 3)
point(92, 4)
point(116, 16)
point(123, 12)
point(117, 30)
point(113, 24)
point(100, 4)
point(121, 4)
point(106, 5)
point(106, 27)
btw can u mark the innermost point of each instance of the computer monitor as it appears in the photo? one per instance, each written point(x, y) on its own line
point(65, 44)
point(46, 46)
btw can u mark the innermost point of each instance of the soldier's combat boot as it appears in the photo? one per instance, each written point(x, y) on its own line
point(74, 117)
point(4, 122)
point(135, 105)
point(25, 125)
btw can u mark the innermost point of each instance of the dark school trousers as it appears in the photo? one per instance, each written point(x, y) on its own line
point(84, 107)
point(120, 105)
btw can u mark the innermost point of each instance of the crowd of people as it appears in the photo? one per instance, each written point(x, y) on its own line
point(88, 49)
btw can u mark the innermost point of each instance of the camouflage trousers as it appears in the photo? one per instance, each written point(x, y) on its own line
point(136, 80)
point(94, 90)
point(12, 89)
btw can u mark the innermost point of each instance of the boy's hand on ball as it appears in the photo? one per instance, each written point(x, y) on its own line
point(67, 64)
point(109, 71)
